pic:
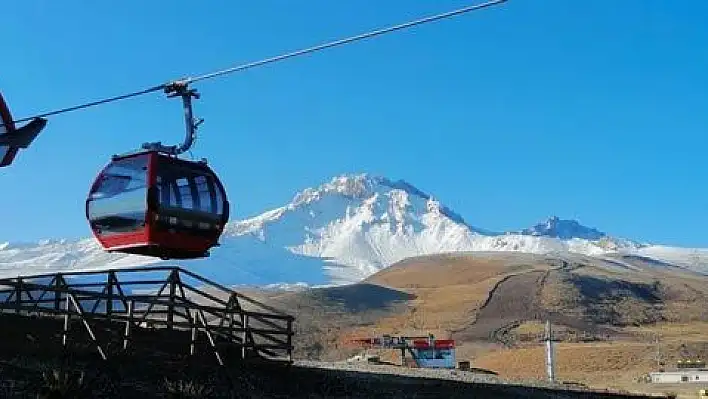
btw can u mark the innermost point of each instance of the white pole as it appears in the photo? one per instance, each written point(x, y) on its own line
point(550, 361)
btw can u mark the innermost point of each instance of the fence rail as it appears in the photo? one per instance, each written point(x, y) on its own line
point(137, 300)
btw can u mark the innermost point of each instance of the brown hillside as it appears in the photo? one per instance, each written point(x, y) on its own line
point(607, 313)
point(451, 289)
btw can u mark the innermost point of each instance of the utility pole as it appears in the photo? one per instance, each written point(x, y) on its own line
point(550, 356)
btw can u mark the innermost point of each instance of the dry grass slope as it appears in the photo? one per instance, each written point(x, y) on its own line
point(608, 313)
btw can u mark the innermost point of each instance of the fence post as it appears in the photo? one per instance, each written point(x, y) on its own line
point(128, 322)
point(290, 340)
point(18, 295)
point(193, 322)
point(173, 292)
point(67, 313)
point(109, 300)
point(244, 339)
point(57, 292)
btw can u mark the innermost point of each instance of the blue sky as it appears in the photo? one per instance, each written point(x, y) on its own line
point(588, 110)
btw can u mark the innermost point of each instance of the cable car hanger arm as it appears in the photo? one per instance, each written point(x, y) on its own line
point(173, 90)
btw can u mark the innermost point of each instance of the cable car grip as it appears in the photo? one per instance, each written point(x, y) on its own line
point(180, 89)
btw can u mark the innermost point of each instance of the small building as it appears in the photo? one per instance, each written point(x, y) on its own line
point(680, 376)
point(686, 371)
point(441, 354)
point(426, 352)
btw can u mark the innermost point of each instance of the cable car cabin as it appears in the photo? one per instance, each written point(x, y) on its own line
point(157, 205)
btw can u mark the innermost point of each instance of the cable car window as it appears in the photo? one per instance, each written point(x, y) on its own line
point(163, 191)
point(199, 203)
point(167, 192)
point(204, 192)
point(219, 200)
point(185, 193)
point(118, 202)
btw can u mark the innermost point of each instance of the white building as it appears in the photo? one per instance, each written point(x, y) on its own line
point(680, 376)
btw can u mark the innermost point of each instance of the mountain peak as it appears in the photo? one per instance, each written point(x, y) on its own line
point(564, 229)
point(348, 185)
point(356, 185)
point(360, 186)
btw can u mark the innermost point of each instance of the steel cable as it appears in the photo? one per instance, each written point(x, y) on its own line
point(267, 60)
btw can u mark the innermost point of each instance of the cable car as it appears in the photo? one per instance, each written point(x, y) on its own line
point(12, 138)
point(152, 203)
point(157, 205)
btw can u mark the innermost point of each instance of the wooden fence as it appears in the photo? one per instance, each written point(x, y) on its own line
point(136, 301)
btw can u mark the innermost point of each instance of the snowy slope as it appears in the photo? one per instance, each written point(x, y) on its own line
point(52, 255)
point(343, 231)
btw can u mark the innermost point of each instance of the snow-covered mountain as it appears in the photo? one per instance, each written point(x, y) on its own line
point(343, 231)
point(564, 229)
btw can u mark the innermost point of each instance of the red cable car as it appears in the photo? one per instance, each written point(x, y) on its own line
point(152, 203)
point(157, 205)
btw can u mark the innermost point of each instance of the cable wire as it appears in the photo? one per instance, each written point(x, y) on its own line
point(250, 65)
point(345, 41)
point(91, 104)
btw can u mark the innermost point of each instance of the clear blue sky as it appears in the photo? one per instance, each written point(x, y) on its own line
point(595, 110)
